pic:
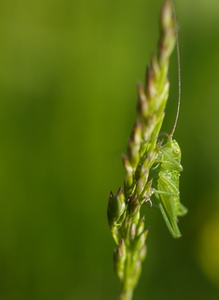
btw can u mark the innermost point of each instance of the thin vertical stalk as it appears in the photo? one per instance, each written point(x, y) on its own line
point(124, 218)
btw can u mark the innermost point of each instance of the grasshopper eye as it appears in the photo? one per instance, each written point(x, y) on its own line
point(176, 151)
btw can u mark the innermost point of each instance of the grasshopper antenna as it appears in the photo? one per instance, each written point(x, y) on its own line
point(179, 70)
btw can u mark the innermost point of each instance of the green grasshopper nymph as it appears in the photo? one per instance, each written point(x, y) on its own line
point(167, 168)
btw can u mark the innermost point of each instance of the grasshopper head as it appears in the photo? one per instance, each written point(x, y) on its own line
point(171, 155)
point(172, 148)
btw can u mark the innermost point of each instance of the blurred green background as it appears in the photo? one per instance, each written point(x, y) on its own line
point(68, 74)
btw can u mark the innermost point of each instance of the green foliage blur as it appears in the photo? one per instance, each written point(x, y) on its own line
point(68, 74)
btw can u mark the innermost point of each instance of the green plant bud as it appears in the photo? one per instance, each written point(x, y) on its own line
point(133, 205)
point(135, 144)
point(110, 210)
point(129, 180)
point(152, 156)
point(140, 240)
point(128, 167)
point(120, 196)
point(141, 183)
point(144, 147)
point(119, 258)
point(143, 253)
point(147, 193)
point(115, 234)
point(166, 48)
point(151, 90)
point(116, 228)
point(155, 67)
point(133, 231)
point(147, 130)
point(128, 190)
point(166, 18)
point(140, 226)
point(142, 105)
point(116, 208)
point(149, 160)
point(168, 38)
point(136, 134)
point(137, 272)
